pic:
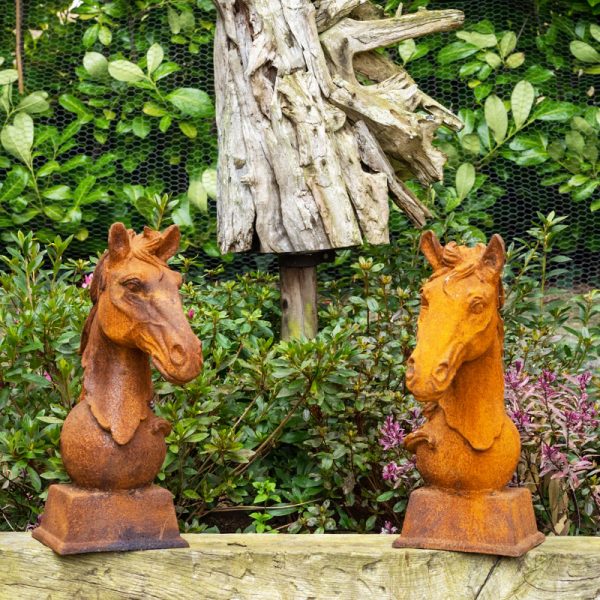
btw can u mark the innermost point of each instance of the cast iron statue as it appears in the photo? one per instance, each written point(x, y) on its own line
point(468, 449)
point(112, 444)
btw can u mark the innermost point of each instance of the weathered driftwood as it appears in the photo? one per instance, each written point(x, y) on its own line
point(298, 567)
point(305, 150)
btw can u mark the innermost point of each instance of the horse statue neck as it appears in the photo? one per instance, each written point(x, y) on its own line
point(117, 384)
point(474, 402)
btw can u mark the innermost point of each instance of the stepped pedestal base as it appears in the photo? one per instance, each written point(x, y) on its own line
point(499, 522)
point(78, 520)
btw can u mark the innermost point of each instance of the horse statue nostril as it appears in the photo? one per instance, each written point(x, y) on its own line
point(178, 355)
point(440, 374)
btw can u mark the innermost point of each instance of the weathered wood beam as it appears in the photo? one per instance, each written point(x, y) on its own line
point(275, 567)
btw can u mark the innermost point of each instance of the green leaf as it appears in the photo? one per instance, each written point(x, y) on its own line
point(575, 141)
point(584, 52)
point(54, 212)
point(496, 117)
point(187, 21)
point(47, 169)
point(95, 64)
point(465, 180)
point(406, 50)
point(165, 123)
point(482, 91)
point(8, 76)
point(507, 44)
point(578, 180)
point(181, 216)
point(165, 69)
point(104, 36)
point(386, 496)
point(191, 102)
point(209, 181)
point(74, 105)
point(188, 129)
point(154, 57)
point(515, 60)
point(492, 59)
point(58, 192)
point(174, 22)
point(586, 190)
point(471, 143)
point(90, 36)
point(14, 183)
point(123, 70)
point(521, 101)
point(455, 51)
point(153, 110)
point(17, 139)
point(140, 127)
point(83, 189)
point(21, 218)
point(481, 40)
point(595, 31)
point(552, 110)
point(197, 194)
point(34, 103)
point(536, 74)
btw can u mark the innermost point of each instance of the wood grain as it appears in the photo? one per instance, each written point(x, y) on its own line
point(292, 173)
point(298, 567)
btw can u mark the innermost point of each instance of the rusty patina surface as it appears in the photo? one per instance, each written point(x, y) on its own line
point(112, 444)
point(468, 449)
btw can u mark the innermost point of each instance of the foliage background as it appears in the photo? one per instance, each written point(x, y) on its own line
point(107, 149)
point(288, 436)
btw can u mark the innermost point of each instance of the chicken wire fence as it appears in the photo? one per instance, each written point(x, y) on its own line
point(136, 152)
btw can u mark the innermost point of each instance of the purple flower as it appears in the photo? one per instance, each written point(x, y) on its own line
point(392, 434)
point(388, 528)
point(47, 376)
point(547, 378)
point(191, 313)
point(520, 418)
point(583, 380)
point(87, 281)
point(391, 472)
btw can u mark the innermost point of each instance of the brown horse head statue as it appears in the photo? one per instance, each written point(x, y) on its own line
point(137, 306)
point(112, 444)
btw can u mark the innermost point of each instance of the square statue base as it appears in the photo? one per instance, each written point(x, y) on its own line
point(495, 522)
point(78, 520)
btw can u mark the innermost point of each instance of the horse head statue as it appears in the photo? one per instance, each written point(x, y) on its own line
point(136, 315)
point(112, 444)
point(456, 367)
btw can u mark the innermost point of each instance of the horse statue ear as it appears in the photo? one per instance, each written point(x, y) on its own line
point(432, 249)
point(494, 255)
point(118, 242)
point(169, 243)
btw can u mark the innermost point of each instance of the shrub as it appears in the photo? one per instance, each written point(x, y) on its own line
point(295, 436)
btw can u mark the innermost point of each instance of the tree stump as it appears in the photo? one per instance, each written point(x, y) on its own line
point(308, 154)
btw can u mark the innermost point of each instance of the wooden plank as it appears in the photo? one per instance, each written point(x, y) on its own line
point(296, 567)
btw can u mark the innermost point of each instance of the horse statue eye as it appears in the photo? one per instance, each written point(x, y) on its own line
point(477, 306)
point(133, 285)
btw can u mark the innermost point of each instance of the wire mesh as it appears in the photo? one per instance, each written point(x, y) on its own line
point(163, 161)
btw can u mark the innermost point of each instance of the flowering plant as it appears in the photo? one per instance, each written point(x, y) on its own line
point(558, 418)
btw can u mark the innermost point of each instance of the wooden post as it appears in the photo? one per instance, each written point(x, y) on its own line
point(298, 285)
